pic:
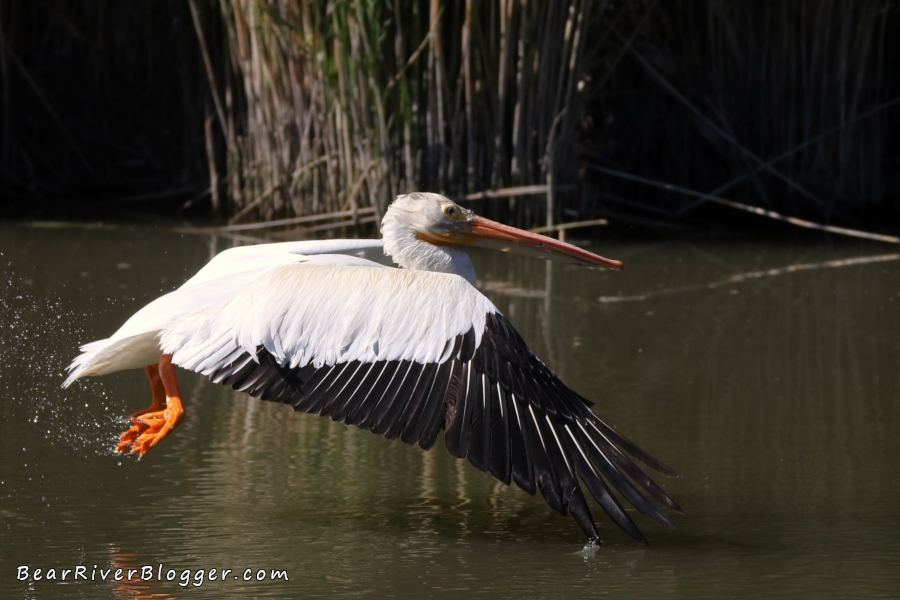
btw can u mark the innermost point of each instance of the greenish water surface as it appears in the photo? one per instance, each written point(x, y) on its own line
point(765, 372)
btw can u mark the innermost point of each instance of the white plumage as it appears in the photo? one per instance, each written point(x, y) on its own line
point(402, 352)
point(383, 314)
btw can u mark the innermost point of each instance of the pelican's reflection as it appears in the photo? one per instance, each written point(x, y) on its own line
point(133, 586)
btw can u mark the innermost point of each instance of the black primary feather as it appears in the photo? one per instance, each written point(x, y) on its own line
point(500, 407)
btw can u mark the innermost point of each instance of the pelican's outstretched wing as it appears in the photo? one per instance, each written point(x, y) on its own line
point(405, 354)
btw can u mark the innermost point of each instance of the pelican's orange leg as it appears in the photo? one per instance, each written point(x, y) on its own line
point(155, 423)
point(159, 403)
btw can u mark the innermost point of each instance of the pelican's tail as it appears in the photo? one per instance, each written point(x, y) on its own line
point(106, 356)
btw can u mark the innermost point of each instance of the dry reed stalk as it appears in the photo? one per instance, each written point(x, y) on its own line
point(522, 190)
point(211, 160)
point(755, 275)
point(570, 225)
point(289, 221)
point(890, 239)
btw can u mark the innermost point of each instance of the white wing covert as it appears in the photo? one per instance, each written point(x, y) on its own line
point(310, 314)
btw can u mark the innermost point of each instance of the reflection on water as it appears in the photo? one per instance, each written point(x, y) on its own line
point(132, 586)
point(766, 373)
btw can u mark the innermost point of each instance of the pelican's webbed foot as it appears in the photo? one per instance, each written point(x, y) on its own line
point(153, 424)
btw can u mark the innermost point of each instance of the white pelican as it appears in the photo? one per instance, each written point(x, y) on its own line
point(403, 353)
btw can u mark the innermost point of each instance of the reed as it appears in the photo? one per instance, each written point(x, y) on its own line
point(278, 109)
point(340, 105)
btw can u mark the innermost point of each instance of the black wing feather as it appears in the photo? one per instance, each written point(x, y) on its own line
point(436, 376)
point(374, 394)
point(598, 489)
point(413, 402)
point(433, 419)
point(547, 481)
point(383, 404)
point(500, 407)
point(387, 413)
point(425, 432)
point(500, 438)
point(347, 402)
point(480, 435)
point(520, 449)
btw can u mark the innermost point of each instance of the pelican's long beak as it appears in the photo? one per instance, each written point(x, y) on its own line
point(490, 234)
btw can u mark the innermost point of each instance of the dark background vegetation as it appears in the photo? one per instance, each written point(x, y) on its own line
point(108, 107)
point(102, 103)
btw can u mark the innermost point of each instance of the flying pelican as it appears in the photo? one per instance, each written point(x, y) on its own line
point(403, 353)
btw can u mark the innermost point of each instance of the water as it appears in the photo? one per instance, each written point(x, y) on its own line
point(765, 372)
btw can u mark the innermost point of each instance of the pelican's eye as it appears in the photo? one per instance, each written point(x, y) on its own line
point(453, 212)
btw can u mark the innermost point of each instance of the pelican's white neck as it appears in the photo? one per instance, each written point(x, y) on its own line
point(408, 251)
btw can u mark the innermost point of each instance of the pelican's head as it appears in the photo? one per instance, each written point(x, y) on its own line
point(440, 222)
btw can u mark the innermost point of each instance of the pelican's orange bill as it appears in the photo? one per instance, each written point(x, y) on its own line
point(495, 235)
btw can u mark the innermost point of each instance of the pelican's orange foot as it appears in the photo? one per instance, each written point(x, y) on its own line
point(152, 424)
point(127, 438)
point(151, 427)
